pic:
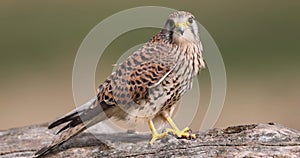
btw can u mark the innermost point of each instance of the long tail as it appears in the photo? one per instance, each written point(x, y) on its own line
point(69, 133)
point(78, 120)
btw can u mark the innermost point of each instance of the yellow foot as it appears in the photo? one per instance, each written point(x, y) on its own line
point(185, 133)
point(156, 136)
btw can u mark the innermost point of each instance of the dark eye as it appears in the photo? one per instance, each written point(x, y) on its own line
point(190, 20)
point(170, 25)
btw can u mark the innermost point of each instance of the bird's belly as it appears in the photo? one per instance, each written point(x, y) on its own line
point(150, 108)
point(162, 98)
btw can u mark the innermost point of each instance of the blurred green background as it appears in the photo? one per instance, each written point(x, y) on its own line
point(259, 42)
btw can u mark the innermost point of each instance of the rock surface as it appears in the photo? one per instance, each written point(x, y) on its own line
point(255, 140)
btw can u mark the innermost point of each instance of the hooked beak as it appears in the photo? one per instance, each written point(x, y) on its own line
point(181, 27)
point(181, 30)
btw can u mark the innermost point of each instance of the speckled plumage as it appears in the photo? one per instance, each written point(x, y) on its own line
point(146, 85)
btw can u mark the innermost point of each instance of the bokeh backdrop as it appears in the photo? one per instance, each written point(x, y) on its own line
point(259, 42)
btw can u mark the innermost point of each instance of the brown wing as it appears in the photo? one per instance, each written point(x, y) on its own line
point(144, 69)
point(146, 76)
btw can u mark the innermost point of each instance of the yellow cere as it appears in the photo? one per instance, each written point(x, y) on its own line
point(181, 24)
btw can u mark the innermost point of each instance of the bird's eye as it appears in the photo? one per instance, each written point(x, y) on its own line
point(170, 25)
point(190, 20)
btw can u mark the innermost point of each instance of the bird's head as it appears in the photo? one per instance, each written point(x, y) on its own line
point(183, 26)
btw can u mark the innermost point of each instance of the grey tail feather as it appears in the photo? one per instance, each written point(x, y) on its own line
point(63, 120)
point(82, 117)
point(73, 115)
point(45, 150)
point(78, 121)
point(71, 132)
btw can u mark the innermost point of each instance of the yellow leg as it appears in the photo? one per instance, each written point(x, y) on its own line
point(155, 134)
point(179, 133)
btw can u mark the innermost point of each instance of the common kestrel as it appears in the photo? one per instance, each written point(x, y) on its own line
point(146, 86)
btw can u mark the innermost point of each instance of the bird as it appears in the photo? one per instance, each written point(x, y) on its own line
point(145, 87)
